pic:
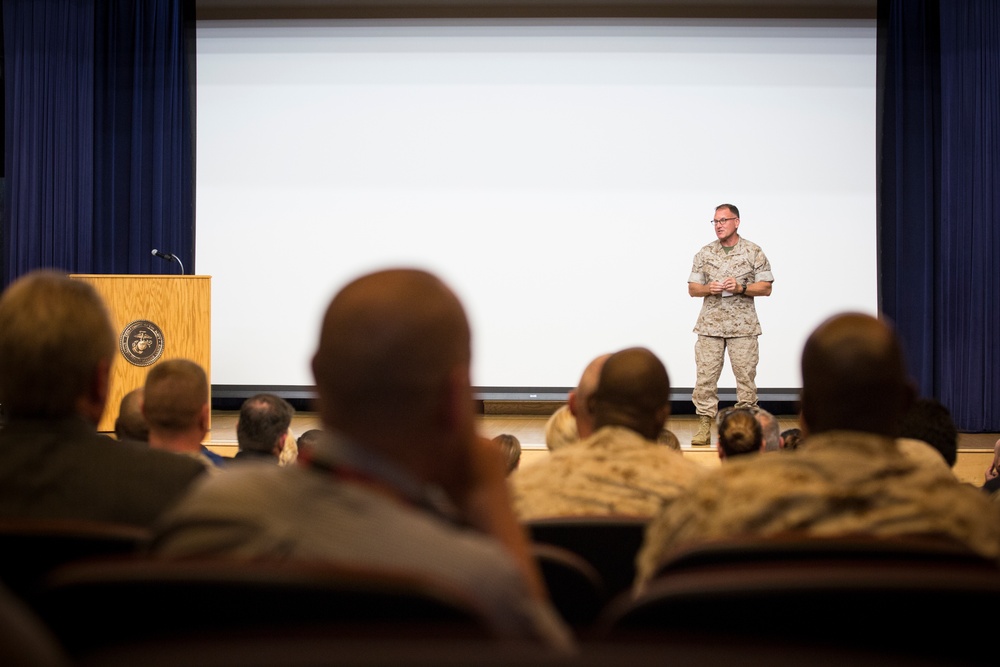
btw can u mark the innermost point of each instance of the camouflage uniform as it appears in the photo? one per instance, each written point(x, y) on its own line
point(727, 322)
point(614, 471)
point(835, 483)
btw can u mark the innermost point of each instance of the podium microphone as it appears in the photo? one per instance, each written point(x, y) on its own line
point(169, 257)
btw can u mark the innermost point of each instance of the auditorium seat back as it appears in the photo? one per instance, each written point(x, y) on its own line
point(608, 543)
point(575, 588)
point(30, 548)
point(95, 605)
point(910, 599)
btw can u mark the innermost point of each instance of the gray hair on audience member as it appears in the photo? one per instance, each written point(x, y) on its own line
point(55, 332)
point(771, 429)
point(176, 392)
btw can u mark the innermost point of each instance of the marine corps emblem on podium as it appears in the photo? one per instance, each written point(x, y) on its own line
point(141, 343)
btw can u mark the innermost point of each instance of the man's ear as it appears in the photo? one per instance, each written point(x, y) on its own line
point(571, 401)
point(203, 418)
point(663, 414)
point(909, 397)
point(102, 382)
point(280, 444)
point(456, 400)
point(803, 414)
point(91, 404)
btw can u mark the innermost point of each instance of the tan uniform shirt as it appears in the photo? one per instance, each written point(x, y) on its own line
point(729, 316)
point(615, 471)
point(835, 483)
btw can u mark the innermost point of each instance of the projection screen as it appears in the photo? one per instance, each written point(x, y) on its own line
point(559, 175)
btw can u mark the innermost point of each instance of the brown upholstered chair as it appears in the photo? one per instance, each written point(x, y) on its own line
point(96, 605)
point(608, 543)
point(30, 548)
point(575, 588)
point(24, 639)
point(908, 598)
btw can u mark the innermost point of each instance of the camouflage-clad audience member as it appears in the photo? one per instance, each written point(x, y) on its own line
point(620, 468)
point(847, 476)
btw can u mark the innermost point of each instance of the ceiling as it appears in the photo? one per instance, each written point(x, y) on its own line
point(404, 9)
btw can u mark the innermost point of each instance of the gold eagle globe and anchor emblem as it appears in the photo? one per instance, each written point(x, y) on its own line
point(141, 343)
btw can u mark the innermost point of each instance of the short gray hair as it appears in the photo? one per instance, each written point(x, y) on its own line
point(771, 429)
point(54, 333)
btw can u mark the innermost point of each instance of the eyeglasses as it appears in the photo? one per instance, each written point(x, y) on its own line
point(722, 221)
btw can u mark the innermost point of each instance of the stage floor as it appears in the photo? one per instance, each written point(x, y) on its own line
point(975, 450)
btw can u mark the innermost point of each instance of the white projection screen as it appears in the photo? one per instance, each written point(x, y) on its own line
point(560, 175)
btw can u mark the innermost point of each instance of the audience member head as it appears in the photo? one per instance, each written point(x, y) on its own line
point(308, 440)
point(56, 348)
point(392, 371)
point(579, 398)
point(928, 420)
point(289, 450)
point(130, 424)
point(732, 209)
point(739, 433)
point(510, 448)
point(854, 377)
point(670, 439)
point(176, 402)
point(771, 429)
point(791, 438)
point(633, 391)
point(263, 424)
point(560, 429)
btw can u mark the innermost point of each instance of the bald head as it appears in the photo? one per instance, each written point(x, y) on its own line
point(633, 391)
point(390, 341)
point(579, 398)
point(854, 376)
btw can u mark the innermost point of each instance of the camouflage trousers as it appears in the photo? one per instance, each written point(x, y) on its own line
point(709, 356)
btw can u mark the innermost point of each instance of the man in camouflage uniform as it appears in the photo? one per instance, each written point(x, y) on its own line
point(727, 274)
point(619, 468)
point(848, 477)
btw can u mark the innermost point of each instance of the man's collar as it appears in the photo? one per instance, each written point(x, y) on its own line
point(617, 435)
point(338, 451)
point(738, 239)
point(840, 438)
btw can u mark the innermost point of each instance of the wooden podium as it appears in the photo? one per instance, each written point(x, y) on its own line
point(155, 318)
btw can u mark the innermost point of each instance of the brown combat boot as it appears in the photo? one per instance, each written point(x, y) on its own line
point(703, 437)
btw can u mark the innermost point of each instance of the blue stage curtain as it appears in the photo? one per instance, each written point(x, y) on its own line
point(938, 199)
point(99, 136)
point(970, 212)
point(142, 147)
point(49, 90)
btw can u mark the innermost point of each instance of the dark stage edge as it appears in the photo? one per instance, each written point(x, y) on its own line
point(508, 400)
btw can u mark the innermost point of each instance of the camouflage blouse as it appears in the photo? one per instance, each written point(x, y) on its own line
point(729, 316)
